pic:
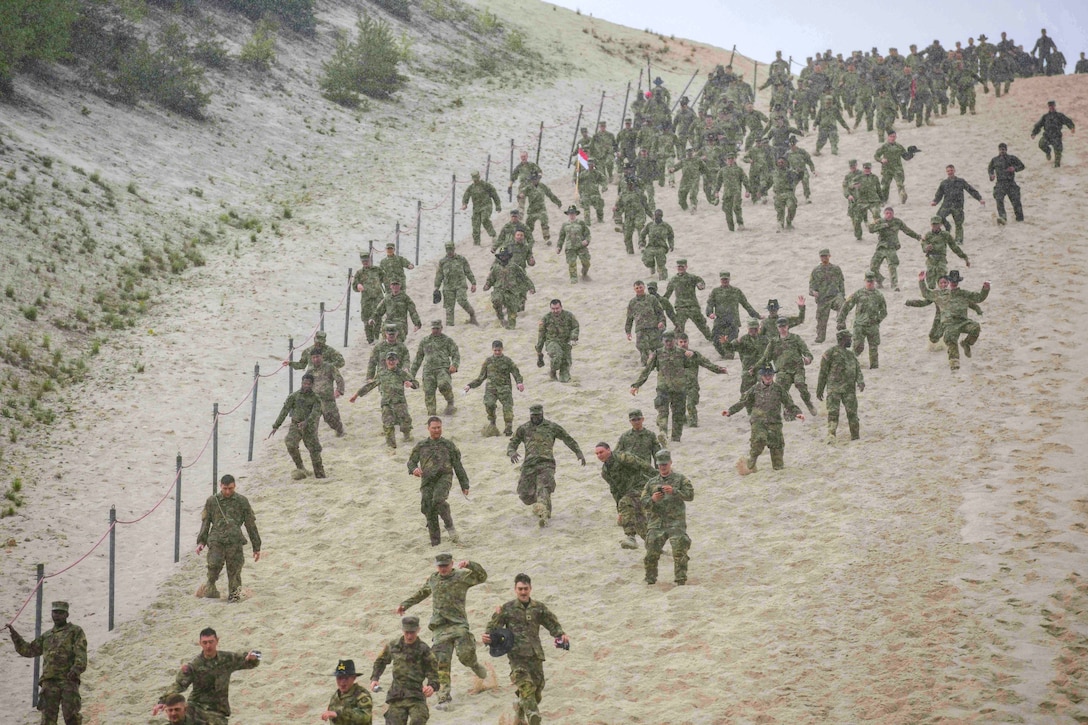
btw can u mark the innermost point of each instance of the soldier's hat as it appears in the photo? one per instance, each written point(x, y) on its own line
point(870, 276)
point(496, 343)
point(753, 322)
point(662, 456)
point(936, 220)
point(793, 140)
point(954, 276)
point(891, 132)
point(390, 245)
point(668, 335)
point(1051, 103)
point(591, 160)
point(364, 256)
point(475, 174)
point(867, 165)
point(627, 120)
point(681, 263)
point(772, 304)
point(658, 81)
point(982, 37)
point(443, 559)
point(634, 414)
point(409, 624)
point(345, 668)
point(534, 176)
point(843, 333)
point(436, 324)
point(852, 162)
point(451, 245)
point(515, 212)
point(782, 322)
point(536, 408)
point(723, 275)
point(321, 336)
point(825, 252)
point(684, 100)
point(766, 370)
point(658, 212)
point(391, 328)
point(572, 209)
point(60, 607)
point(731, 155)
point(501, 642)
point(396, 282)
point(308, 376)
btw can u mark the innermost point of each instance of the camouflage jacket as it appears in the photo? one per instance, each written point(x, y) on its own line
point(508, 278)
point(505, 239)
point(691, 168)
point(438, 459)
point(497, 371)
point(788, 354)
point(562, 328)
point(536, 198)
point(602, 145)
point(523, 171)
point(731, 179)
point(784, 180)
point(670, 512)
point(953, 304)
point(872, 308)
point(644, 313)
point(223, 518)
point(724, 302)
point(632, 204)
point(887, 232)
point(685, 285)
point(453, 273)
point(62, 649)
point(327, 379)
point(827, 282)
point(626, 473)
point(393, 271)
point(381, 349)
point(390, 385)
point(539, 441)
point(412, 664)
point(840, 371)
point(750, 347)
point(692, 372)
point(935, 246)
point(671, 366)
point(328, 354)
point(768, 402)
point(639, 443)
point(447, 595)
point(210, 679)
point(371, 280)
point(575, 235)
point(436, 352)
point(890, 154)
point(397, 309)
point(850, 183)
point(657, 235)
point(483, 195)
point(301, 406)
point(525, 621)
point(591, 182)
point(355, 707)
point(867, 189)
point(768, 325)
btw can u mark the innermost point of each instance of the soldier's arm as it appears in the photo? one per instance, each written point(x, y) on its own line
point(882, 309)
point(413, 457)
point(366, 389)
point(480, 379)
point(1016, 163)
point(630, 322)
point(206, 522)
point(516, 373)
point(33, 648)
point(548, 192)
point(423, 592)
point(468, 273)
point(684, 489)
point(494, 194)
point(575, 327)
point(458, 467)
point(515, 441)
point(787, 402)
point(430, 670)
point(541, 331)
point(358, 711)
point(974, 306)
point(476, 574)
point(550, 622)
point(498, 619)
point(438, 276)
point(651, 364)
point(703, 361)
point(940, 193)
point(844, 311)
point(302, 362)
point(825, 369)
point(972, 191)
point(918, 303)
point(339, 380)
point(249, 520)
point(413, 314)
point(382, 661)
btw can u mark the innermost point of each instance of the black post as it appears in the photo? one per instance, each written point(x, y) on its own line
point(690, 81)
point(419, 219)
point(574, 142)
point(600, 110)
point(755, 81)
point(623, 115)
point(396, 237)
point(321, 316)
point(487, 169)
point(290, 375)
point(510, 189)
point(113, 559)
point(732, 55)
point(253, 408)
point(215, 445)
point(177, 513)
point(639, 88)
point(347, 309)
point(38, 633)
point(539, 138)
point(453, 205)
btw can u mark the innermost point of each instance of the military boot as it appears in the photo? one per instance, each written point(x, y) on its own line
point(449, 319)
point(628, 542)
point(490, 430)
point(472, 317)
point(391, 437)
point(778, 459)
point(508, 430)
point(319, 466)
point(511, 320)
point(855, 430)
point(832, 430)
point(208, 591)
point(564, 373)
point(445, 700)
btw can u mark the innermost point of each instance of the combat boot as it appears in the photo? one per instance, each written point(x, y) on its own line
point(511, 320)
point(319, 466)
point(508, 430)
point(778, 459)
point(832, 430)
point(445, 700)
point(564, 373)
point(541, 512)
point(208, 591)
point(434, 532)
point(874, 357)
point(472, 317)
point(490, 430)
point(628, 542)
point(855, 430)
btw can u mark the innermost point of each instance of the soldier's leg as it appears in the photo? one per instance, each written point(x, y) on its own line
point(545, 229)
point(780, 209)
point(629, 233)
point(893, 268)
point(331, 414)
point(850, 402)
point(834, 137)
point(756, 444)
point(873, 333)
point(462, 299)
point(476, 222)
point(584, 258)
point(972, 329)
point(1057, 144)
point(572, 267)
point(631, 519)
point(805, 186)
point(680, 545)
point(526, 487)
point(488, 226)
point(737, 205)
point(235, 559)
point(791, 211)
point(555, 357)
point(440, 500)
point(429, 510)
point(521, 674)
point(507, 400)
point(655, 543)
point(957, 217)
point(445, 386)
point(1014, 197)
point(216, 560)
point(430, 386)
point(49, 701)
point(313, 446)
point(803, 391)
point(466, 654)
point(71, 703)
point(692, 404)
point(951, 343)
point(678, 406)
point(874, 265)
point(389, 425)
point(294, 436)
point(823, 312)
point(833, 400)
point(449, 301)
point(999, 199)
point(885, 181)
point(490, 407)
point(442, 647)
point(403, 418)
point(900, 185)
point(700, 322)
point(661, 405)
point(935, 328)
point(821, 139)
point(777, 445)
point(545, 487)
point(659, 261)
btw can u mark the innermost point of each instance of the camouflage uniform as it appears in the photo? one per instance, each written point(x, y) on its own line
point(800, 162)
point(850, 184)
point(935, 246)
point(436, 355)
point(950, 197)
point(783, 182)
point(887, 247)
point(454, 276)
point(371, 280)
point(691, 395)
point(789, 355)
point(656, 240)
point(828, 286)
point(536, 196)
point(497, 371)
point(724, 303)
point(642, 444)
point(395, 309)
point(1051, 124)
point(328, 354)
point(603, 148)
point(304, 407)
point(765, 404)
point(890, 155)
point(840, 375)
point(506, 282)
point(527, 656)
point(666, 520)
point(210, 679)
point(328, 382)
point(732, 180)
point(412, 664)
point(576, 236)
point(63, 650)
point(438, 460)
point(591, 182)
point(685, 285)
point(872, 309)
point(692, 168)
point(868, 197)
point(484, 198)
point(828, 119)
point(557, 333)
point(221, 525)
point(671, 365)
point(354, 707)
point(647, 317)
point(392, 268)
point(537, 481)
point(390, 384)
point(953, 305)
point(383, 348)
point(751, 346)
point(524, 171)
point(633, 210)
point(625, 474)
point(519, 254)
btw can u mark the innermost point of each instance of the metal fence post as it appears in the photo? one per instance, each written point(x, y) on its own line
point(113, 560)
point(347, 309)
point(419, 219)
point(290, 375)
point(321, 316)
point(215, 445)
point(539, 140)
point(453, 206)
point(253, 409)
point(177, 513)
point(38, 633)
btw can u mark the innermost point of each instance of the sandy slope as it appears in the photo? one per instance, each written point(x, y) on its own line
point(929, 572)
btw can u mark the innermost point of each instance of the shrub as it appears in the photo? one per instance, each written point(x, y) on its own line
point(396, 8)
point(295, 14)
point(367, 65)
point(166, 76)
point(260, 50)
point(33, 30)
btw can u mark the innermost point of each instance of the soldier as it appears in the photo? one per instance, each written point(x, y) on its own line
point(723, 306)
point(383, 348)
point(850, 183)
point(827, 286)
point(506, 281)
point(638, 441)
point(506, 238)
point(396, 308)
point(557, 332)
point(692, 168)
point(1051, 124)
point(435, 460)
point(789, 355)
point(866, 196)
point(828, 118)
point(536, 196)
point(1002, 169)
point(691, 396)
point(454, 277)
point(663, 499)
point(521, 174)
point(732, 180)
point(393, 266)
point(1082, 65)
point(626, 142)
point(950, 196)
point(439, 357)
point(891, 156)
point(221, 524)
point(448, 588)
point(888, 245)
point(368, 283)
point(872, 309)
point(985, 55)
point(750, 346)
point(684, 123)
point(178, 712)
point(784, 181)
point(760, 161)
point(328, 386)
point(936, 330)
point(591, 183)
point(209, 674)
point(413, 663)
point(537, 481)
point(603, 146)
point(768, 325)
point(625, 474)
point(671, 364)
point(575, 235)
point(484, 198)
point(646, 315)
point(320, 345)
point(935, 245)
point(840, 375)
point(953, 305)
point(497, 370)
point(63, 650)
point(670, 312)
point(765, 402)
point(800, 162)
point(631, 211)
point(656, 240)
point(524, 617)
point(304, 407)
point(685, 286)
point(391, 382)
point(351, 704)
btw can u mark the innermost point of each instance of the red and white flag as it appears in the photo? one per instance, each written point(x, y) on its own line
point(583, 157)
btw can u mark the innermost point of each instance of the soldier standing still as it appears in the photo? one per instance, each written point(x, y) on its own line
point(663, 500)
point(498, 370)
point(413, 664)
point(304, 407)
point(63, 650)
point(435, 460)
point(537, 480)
point(765, 401)
point(221, 522)
point(209, 675)
point(351, 704)
point(840, 375)
point(827, 286)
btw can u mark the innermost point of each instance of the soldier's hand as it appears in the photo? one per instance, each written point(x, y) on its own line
point(634, 390)
point(582, 460)
point(921, 276)
point(514, 458)
point(328, 715)
point(417, 328)
point(464, 206)
point(721, 369)
point(352, 398)
point(159, 707)
point(933, 203)
point(428, 690)
point(657, 496)
point(417, 472)
point(628, 337)
point(540, 359)
point(486, 638)
point(986, 284)
point(256, 556)
point(472, 289)
point(981, 203)
point(806, 359)
point(453, 369)
point(336, 394)
point(251, 657)
point(967, 262)
point(374, 686)
point(712, 316)
point(401, 610)
point(861, 387)
point(199, 548)
point(573, 343)
point(801, 417)
point(463, 564)
point(411, 266)
point(358, 288)
point(521, 387)
point(800, 300)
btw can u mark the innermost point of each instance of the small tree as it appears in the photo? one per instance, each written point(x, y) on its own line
point(367, 65)
point(33, 30)
point(260, 50)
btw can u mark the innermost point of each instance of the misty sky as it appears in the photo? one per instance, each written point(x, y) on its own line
point(801, 27)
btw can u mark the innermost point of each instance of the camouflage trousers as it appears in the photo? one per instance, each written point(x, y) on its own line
point(957, 216)
point(528, 677)
point(1046, 143)
point(1012, 191)
point(691, 398)
point(202, 715)
point(732, 207)
point(785, 208)
point(849, 402)
point(860, 212)
point(893, 173)
point(630, 229)
point(367, 305)
point(688, 191)
point(394, 414)
point(434, 494)
point(828, 133)
point(796, 378)
point(655, 544)
point(539, 216)
point(655, 260)
point(436, 381)
point(647, 341)
point(595, 203)
point(673, 401)
point(537, 483)
point(632, 519)
point(966, 98)
point(683, 314)
point(407, 712)
point(493, 398)
point(868, 334)
point(952, 331)
point(308, 436)
point(559, 357)
point(823, 313)
point(55, 696)
point(453, 297)
point(481, 218)
point(452, 639)
point(573, 257)
point(879, 256)
point(935, 269)
point(331, 415)
point(724, 326)
point(767, 435)
point(230, 555)
point(506, 304)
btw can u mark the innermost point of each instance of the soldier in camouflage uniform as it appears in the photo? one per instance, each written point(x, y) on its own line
point(692, 168)
point(671, 364)
point(685, 286)
point(328, 386)
point(506, 238)
point(304, 407)
point(524, 617)
point(865, 198)
point(557, 333)
point(498, 370)
point(603, 147)
point(765, 402)
point(827, 286)
point(732, 181)
point(221, 524)
point(872, 309)
point(413, 663)
point(800, 162)
point(591, 183)
point(691, 397)
point(751, 347)
point(888, 245)
point(368, 283)
point(209, 674)
point(663, 499)
point(537, 481)
point(632, 210)
point(537, 195)
point(391, 382)
point(625, 474)
point(670, 311)
point(760, 160)
point(63, 650)
point(935, 245)
point(647, 317)
point(1051, 124)
point(953, 304)
point(950, 196)
point(840, 375)
point(575, 235)
point(484, 200)
point(448, 588)
point(506, 282)
point(783, 182)
point(178, 712)
point(1002, 169)
point(768, 326)
point(439, 357)
point(328, 354)
point(723, 306)
point(850, 182)
point(828, 118)
point(638, 441)
point(383, 348)
point(393, 266)
point(789, 355)
point(521, 174)
point(891, 155)
point(656, 240)
point(435, 460)
point(396, 308)
point(455, 278)
point(351, 704)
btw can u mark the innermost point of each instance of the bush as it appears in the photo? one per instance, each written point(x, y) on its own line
point(260, 50)
point(33, 30)
point(367, 65)
point(397, 8)
point(166, 76)
point(295, 14)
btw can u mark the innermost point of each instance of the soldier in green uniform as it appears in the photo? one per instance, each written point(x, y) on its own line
point(783, 183)
point(413, 664)
point(865, 198)
point(765, 402)
point(828, 119)
point(953, 305)
point(221, 522)
point(840, 376)
point(760, 177)
point(439, 357)
point(625, 474)
point(435, 460)
point(888, 245)
point(827, 286)
point(626, 142)
point(209, 674)
point(638, 441)
point(536, 198)
point(328, 386)
point(936, 330)
point(393, 266)
point(448, 589)
point(507, 235)
point(178, 712)
point(368, 283)
point(63, 650)
point(671, 363)
point(732, 181)
point(591, 183)
point(691, 168)
point(891, 155)
point(691, 397)
point(485, 199)
point(454, 278)
point(557, 333)
point(603, 147)
point(304, 407)
point(391, 343)
point(768, 326)
point(328, 354)
point(751, 346)
point(1051, 124)
point(632, 210)
point(950, 196)
point(524, 616)
point(647, 317)
point(521, 174)
point(1002, 170)
point(789, 355)
point(872, 309)
point(723, 306)
point(670, 312)
point(850, 182)
point(935, 245)
point(506, 282)
point(656, 240)
point(985, 55)
point(537, 481)
point(396, 308)
point(575, 235)
point(391, 382)
point(686, 285)
point(663, 499)
point(498, 370)
point(800, 162)
point(351, 704)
